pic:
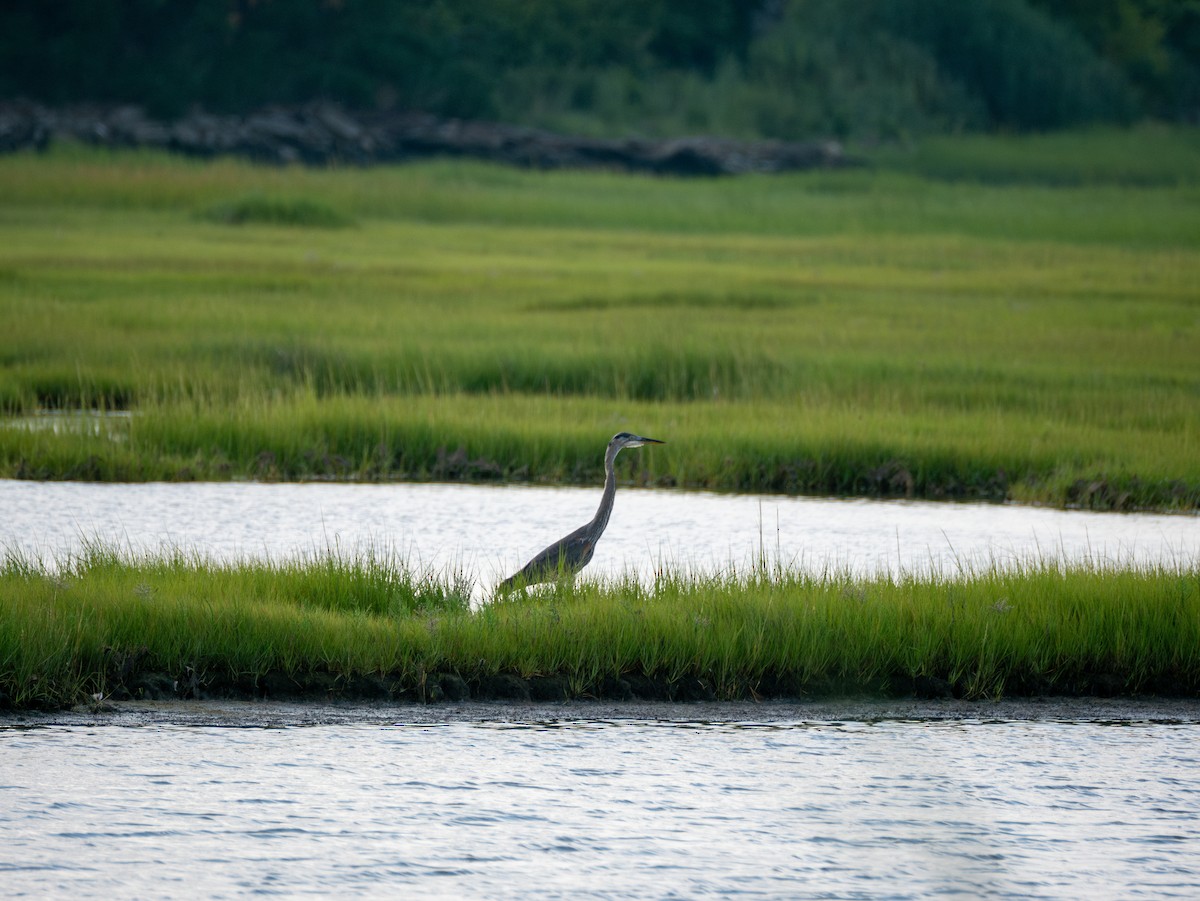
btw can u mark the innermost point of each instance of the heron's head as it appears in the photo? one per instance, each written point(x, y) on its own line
point(626, 439)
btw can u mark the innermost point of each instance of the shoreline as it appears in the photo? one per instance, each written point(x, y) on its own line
point(280, 714)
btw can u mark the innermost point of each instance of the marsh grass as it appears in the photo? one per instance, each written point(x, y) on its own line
point(1102, 156)
point(755, 446)
point(109, 624)
point(868, 332)
point(69, 628)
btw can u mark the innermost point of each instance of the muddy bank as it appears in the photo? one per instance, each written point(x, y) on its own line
point(274, 714)
point(452, 687)
point(322, 133)
point(125, 682)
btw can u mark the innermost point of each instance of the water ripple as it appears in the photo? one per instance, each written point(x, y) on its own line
point(624, 809)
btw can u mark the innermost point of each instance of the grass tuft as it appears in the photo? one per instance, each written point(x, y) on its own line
point(272, 210)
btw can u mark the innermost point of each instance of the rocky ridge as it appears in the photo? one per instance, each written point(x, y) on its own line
point(323, 133)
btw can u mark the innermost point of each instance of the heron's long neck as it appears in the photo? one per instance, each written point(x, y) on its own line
point(600, 520)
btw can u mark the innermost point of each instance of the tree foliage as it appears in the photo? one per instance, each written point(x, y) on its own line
point(786, 68)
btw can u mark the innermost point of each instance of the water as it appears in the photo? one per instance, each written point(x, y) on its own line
point(111, 424)
point(775, 807)
point(584, 801)
point(488, 531)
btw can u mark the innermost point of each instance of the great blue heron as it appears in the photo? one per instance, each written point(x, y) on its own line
point(569, 555)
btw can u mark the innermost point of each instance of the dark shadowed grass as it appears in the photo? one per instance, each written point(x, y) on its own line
point(274, 210)
point(104, 624)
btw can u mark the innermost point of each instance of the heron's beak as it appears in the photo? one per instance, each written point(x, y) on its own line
point(642, 440)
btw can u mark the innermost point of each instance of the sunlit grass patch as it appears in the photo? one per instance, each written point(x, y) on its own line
point(68, 623)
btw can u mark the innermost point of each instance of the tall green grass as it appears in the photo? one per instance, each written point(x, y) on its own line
point(108, 625)
point(867, 332)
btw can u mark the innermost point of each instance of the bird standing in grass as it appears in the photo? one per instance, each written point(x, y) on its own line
point(567, 556)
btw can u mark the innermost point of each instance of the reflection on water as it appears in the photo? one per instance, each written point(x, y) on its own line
point(112, 424)
point(897, 809)
point(488, 531)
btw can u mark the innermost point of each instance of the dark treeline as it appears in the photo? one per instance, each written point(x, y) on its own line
point(744, 68)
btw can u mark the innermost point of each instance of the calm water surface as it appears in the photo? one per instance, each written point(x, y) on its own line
point(487, 531)
point(778, 807)
point(604, 809)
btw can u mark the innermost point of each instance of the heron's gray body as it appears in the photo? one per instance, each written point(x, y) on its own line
point(567, 556)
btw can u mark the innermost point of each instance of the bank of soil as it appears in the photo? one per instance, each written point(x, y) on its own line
point(127, 683)
point(274, 714)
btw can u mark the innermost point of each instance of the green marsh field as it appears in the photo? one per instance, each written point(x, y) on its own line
point(981, 318)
